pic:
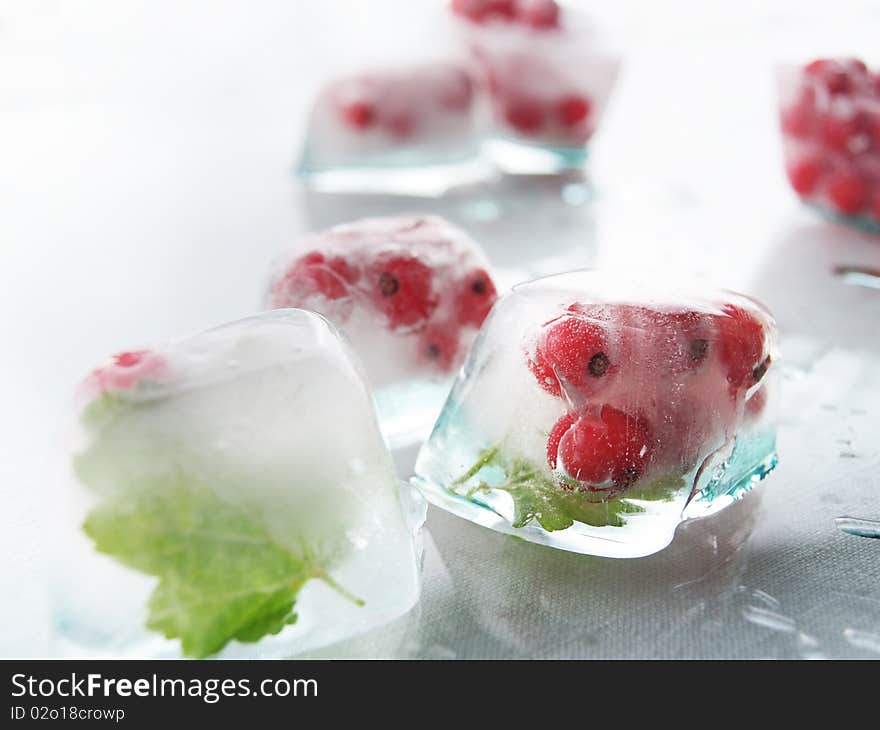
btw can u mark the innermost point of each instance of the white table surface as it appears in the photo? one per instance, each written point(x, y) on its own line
point(145, 150)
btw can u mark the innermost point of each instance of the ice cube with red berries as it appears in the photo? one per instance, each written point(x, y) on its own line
point(410, 292)
point(387, 117)
point(830, 123)
point(597, 412)
point(545, 70)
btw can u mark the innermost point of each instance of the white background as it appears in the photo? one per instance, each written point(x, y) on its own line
point(145, 150)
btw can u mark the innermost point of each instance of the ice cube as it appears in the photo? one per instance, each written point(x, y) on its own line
point(233, 495)
point(546, 70)
point(830, 123)
point(404, 116)
point(410, 292)
point(594, 414)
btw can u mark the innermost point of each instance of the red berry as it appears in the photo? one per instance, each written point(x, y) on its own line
point(832, 74)
point(797, 120)
point(681, 341)
point(309, 276)
point(359, 115)
point(838, 133)
point(741, 342)
point(475, 298)
point(573, 110)
point(439, 345)
point(525, 115)
point(559, 430)
point(538, 14)
point(129, 359)
point(481, 11)
point(455, 92)
point(401, 288)
point(400, 124)
point(605, 452)
point(571, 355)
point(125, 371)
point(804, 174)
point(847, 192)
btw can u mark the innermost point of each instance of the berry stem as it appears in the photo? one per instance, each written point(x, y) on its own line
point(486, 458)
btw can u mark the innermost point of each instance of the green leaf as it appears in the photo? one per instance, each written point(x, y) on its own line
point(537, 496)
point(222, 576)
point(102, 410)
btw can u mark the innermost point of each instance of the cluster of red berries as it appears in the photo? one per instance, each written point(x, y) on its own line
point(410, 297)
point(590, 355)
point(831, 126)
point(402, 105)
point(538, 14)
point(530, 96)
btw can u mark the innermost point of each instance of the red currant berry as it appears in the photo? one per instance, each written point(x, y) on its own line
point(481, 11)
point(524, 115)
point(831, 74)
point(401, 288)
point(358, 115)
point(837, 132)
point(129, 359)
point(539, 14)
point(610, 451)
point(573, 110)
point(401, 125)
point(475, 298)
point(439, 346)
point(847, 192)
point(804, 174)
point(571, 354)
point(741, 342)
point(309, 276)
point(556, 434)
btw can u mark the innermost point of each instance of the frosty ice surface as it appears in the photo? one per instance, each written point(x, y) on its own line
point(545, 70)
point(830, 119)
point(409, 115)
point(233, 494)
point(594, 414)
point(410, 292)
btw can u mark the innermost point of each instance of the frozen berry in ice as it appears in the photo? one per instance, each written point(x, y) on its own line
point(125, 371)
point(358, 115)
point(401, 288)
point(481, 11)
point(803, 174)
point(475, 298)
point(525, 115)
point(843, 134)
point(799, 118)
point(608, 451)
point(573, 110)
point(831, 74)
point(439, 346)
point(572, 356)
point(847, 192)
point(741, 341)
point(539, 14)
point(555, 436)
point(309, 276)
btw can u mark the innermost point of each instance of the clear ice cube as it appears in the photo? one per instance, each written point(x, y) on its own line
point(594, 414)
point(233, 495)
point(409, 292)
point(546, 72)
point(405, 115)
